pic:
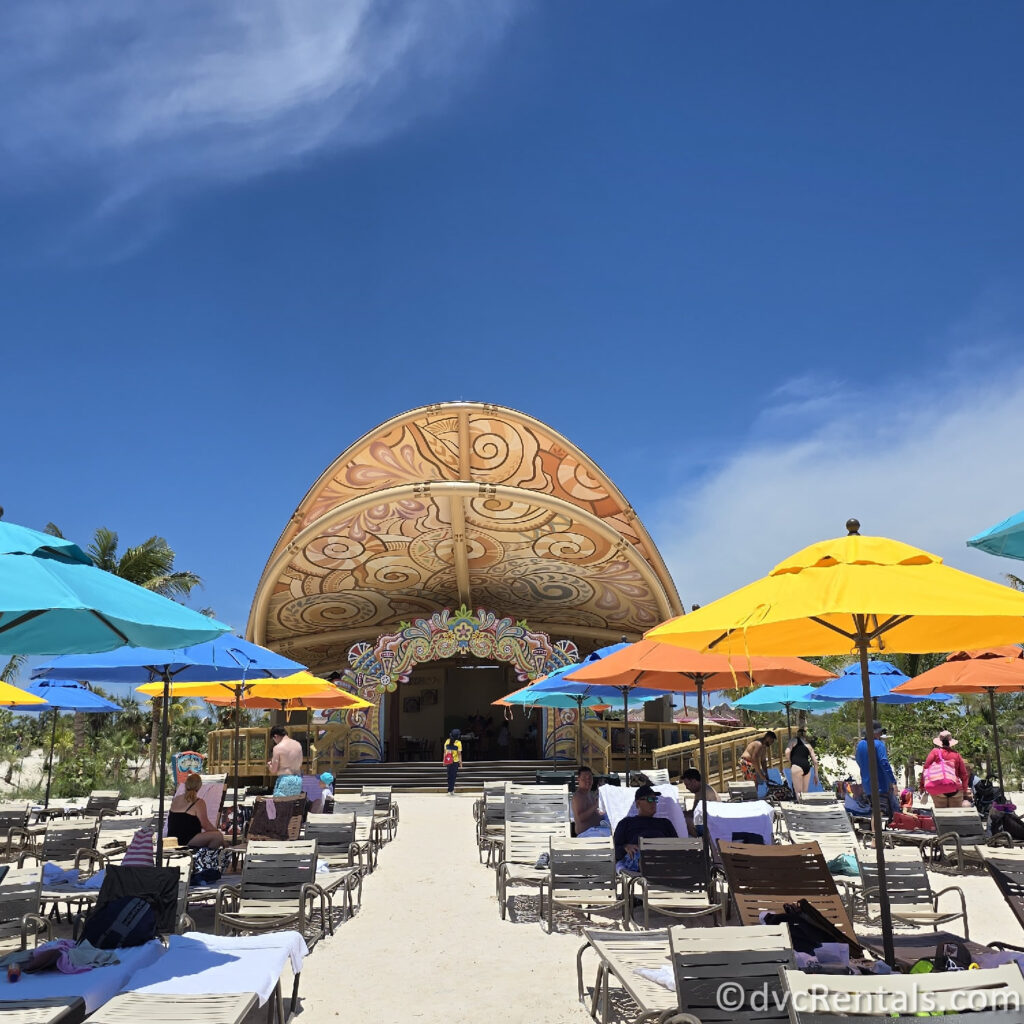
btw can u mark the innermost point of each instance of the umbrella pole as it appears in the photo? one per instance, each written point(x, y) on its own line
point(164, 717)
point(789, 724)
point(49, 764)
point(862, 639)
point(234, 812)
point(995, 737)
point(625, 715)
point(579, 729)
point(701, 753)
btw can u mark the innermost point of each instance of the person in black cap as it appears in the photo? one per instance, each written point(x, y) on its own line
point(644, 825)
point(886, 776)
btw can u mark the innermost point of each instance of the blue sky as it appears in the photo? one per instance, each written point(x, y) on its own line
point(762, 262)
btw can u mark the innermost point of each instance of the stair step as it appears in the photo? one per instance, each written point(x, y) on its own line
point(431, 776)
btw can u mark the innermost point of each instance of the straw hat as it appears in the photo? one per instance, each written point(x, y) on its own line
point(945, 738)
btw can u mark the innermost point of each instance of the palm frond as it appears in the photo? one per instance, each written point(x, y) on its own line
point(1015, 581)
point(174, 584)
point(53, 530)
point(103, 549)
point(14, 665)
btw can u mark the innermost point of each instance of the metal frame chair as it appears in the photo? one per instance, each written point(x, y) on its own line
point(673, 880)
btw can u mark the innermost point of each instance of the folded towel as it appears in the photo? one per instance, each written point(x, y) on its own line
point(662, 976)
point(271, 809)
point(54, 874)
point(93, 881)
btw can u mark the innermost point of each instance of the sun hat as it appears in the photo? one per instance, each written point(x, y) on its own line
point(944, 735)
point(327, 779)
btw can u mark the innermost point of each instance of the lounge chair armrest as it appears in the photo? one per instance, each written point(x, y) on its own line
point(34, 854)
point(225, 894)
point(1005, 945)
point(39, 923)
point(677, 1017)
point(91, 857)
point(1000, 839)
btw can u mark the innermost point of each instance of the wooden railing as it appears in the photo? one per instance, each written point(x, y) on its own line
point(596, 750)
point(328, 753)
point(644, 739)
point(722, 752)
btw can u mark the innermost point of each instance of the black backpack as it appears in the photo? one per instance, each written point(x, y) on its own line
point(128, 921)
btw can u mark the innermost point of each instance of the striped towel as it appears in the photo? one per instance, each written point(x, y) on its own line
point(140, 851)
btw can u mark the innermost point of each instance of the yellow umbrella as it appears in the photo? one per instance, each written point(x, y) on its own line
point(862, 594)
point(10, 695)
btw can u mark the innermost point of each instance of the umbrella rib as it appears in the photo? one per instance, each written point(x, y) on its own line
point(113, 629)
point(891, 623)
point(27, 617)
point(835, 629)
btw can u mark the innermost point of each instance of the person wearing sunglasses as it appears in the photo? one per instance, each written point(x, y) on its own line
point(642, 825)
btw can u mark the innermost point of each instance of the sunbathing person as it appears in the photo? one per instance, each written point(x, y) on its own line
point(586, 811)
point(644, 825)
point(187, 820)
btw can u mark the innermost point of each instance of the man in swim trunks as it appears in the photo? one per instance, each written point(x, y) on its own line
point(285, 763)
point(754, 760)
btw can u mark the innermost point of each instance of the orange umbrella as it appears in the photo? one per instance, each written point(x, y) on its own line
point(988, 670)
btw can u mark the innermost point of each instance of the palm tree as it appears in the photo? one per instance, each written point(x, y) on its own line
point(149, 565)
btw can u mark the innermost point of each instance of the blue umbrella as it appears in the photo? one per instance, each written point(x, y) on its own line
point(62, 695)
point(53, 600)
point(1006, 538)
point(225, 659)
point(882, 677)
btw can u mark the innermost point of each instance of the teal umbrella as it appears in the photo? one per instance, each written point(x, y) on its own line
point(784, 698)
point(1005, 538)
point(53, 600)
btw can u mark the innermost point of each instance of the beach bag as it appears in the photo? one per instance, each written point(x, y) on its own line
point(940, 775)
point(905, 822)
point(449, 756)
point(128, 921)
point(205, 866)
point(1010, 823)
point(844, 864)
point(809, 928)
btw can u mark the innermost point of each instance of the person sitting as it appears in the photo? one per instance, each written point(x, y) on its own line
point(325, 805)
point(586, 811)
point(691, 779)
point(644, 825)
point(187, 820)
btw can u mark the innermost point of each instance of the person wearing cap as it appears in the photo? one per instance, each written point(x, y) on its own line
point(326, 804)
point(644, 825)
point(886, 776)
point(945, 777)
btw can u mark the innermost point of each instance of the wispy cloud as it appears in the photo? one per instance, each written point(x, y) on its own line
point(930, 461)
point(137, 96)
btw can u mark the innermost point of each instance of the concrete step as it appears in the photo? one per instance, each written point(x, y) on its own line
point(431, 776)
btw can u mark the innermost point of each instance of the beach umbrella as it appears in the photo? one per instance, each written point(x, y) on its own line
point(61, 695)
point(1006, 538)
point(864, 593)
point(226, 658)
point(783, 698)
point(883, 677)
point(990, 670)
point(53, 600)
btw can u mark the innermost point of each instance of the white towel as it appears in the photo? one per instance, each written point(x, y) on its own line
point(663, 976)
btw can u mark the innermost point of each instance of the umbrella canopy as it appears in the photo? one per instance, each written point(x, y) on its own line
point(860, 592)
point(1006, 538)
point(989, 670)
point(62, 695)
point(23, 700)
point(300, 690)
point(53, 600)
point(783, 698)
point(883, 676)
point(226, 658)
point(531, 697)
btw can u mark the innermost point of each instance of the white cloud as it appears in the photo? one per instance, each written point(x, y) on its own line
point(930, 463)
point(134, 95)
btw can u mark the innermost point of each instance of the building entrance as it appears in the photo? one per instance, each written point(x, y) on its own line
point(456, 694)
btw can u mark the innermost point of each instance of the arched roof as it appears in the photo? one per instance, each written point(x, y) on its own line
point(459, 503)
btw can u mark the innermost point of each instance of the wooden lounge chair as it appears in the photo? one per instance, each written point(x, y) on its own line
point(673, 880)
point(21, 906)
point(994, 996)
point(366, 828)
point(828, 825)
point(912, 900)
point(768, 877)
point(385, 809)
point(618, 956)
point(165, 1008)
point(284, 826)
point(534, 815)
point(582, 875)
point(277, 891)
point(961, 830)
point(747, 959)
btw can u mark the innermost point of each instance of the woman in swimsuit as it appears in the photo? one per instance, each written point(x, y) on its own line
point(802, 760)
point(188, 821)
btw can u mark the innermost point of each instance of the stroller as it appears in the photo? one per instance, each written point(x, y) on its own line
point(985, 793)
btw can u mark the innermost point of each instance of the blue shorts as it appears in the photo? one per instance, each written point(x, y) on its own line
point(288, 785)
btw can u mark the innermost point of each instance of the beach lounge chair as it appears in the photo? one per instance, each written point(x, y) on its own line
point(673, 880)
point(335, 836)
point(14, 829)
point(21, 906)
point(1007, 870)
point(101, 802)
point(66, 842)
point(164, 889)
point(278, 890)
point(828, 825)
point(824, 797)
point(960, 830)
point(768, 877)
point(994, 996)
point(742, 790)
point(534, 815)
point(239, 964)
point(490, 822)
point(115, 835)
point(362, 808)
point(705, 959)
point(582, 875)
point(170, 1008)
point(385, 809)
point(619, 954)
point(69, 1010)
point(656, 776)
point(285, 824)
point(911, 898)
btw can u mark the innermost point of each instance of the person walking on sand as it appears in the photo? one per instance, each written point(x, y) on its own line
point(888, 796)
point(452, 758)
point(802, 761)
point(945, 777)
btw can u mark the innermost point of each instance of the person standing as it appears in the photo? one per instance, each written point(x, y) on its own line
point(945, 777)
point(285, 763)
point(886, 776)
point(754, 760)
point(802, 762)
point(452, 758)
